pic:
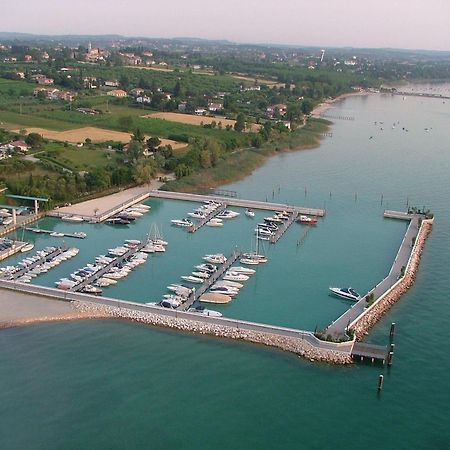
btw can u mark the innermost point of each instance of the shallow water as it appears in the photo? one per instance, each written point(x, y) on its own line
point(108, 384)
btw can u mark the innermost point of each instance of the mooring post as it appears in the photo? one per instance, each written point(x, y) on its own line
point(392, 331)
point(390, 358)
point(380, 382)
point(392, 348)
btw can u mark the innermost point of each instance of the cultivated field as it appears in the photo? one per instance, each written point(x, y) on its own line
point(195, 120)
point(93, 133)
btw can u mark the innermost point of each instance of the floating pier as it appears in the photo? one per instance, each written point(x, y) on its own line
point(281, 230)
point(252, 204)
point(210, 281)
point(40, 261)
point(207, 218)
point(71, 235)
point(118, 260)
point(364, 351)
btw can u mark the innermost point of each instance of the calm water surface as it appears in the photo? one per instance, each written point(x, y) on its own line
point(106, 384)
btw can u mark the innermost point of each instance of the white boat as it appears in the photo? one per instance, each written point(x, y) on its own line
point(80, 234)
point(169, 303)
point(181, 222)
point(73, 219)
point(205, 312)
point(26, 248)
point(214, 223)
point(159, 241)
point(255, 256)
point(228, 214)
point(56, 234)
point(196, 215)
point(207, 267)
point(142, 206)
point(235, 277)
point(249, 213)
point(216, 297)
point(89, 289)
point(347, 293)
point(133, 213)
point(229, 283)
point(244, 270)
point(249, 261)
point(203, 275)
point(192, 279)
point(218, 258)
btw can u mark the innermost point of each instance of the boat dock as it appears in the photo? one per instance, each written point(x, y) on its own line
point(117, 260)
point(40, 261)
point(210, 281)
point(281, 230)
point(364, 351)
point(207, 218)
point(15, 248)
point(252, 204)
point(40, 230)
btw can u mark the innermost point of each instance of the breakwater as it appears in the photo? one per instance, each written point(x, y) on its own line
point(364, 322)
point(298, 345)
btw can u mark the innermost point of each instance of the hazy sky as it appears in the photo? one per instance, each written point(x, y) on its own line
point(359, 23)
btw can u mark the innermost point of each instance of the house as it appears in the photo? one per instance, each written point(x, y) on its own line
point(20, 145)
point(144, 99)
point(200, 111)
point(90, 82)
point(119, 93)
point(111, 83)
point(214, 107)
point(43, 80)
point(28, 58)
point(182, 106)
point(279, 108)
point(136, 92)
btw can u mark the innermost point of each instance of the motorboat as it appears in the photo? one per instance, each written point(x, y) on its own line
point(229, 283)
point(169, 303)
point(307, 220)
point(56, 234)
point(118, 221)
point(159, 242)
point(196, 215)
point(27, 247)
point(203, 275)
point(181, 222)
point(211, 268)
point(142, 206)
point(133, 213)
point(192, 279)
point(244, 270)
point(89, 289)
point(264, 232)
point(273, 219)
point(228, 214)
point(347, 293)
point(214, 223)
point(218, 258)
point(249, 213)
point(235, 277)
point(249, 261)
point(80, 234)
point(73, 219)
point(205, 312)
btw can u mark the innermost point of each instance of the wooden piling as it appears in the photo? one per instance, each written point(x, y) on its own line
point(380, 382)
point(392, 331)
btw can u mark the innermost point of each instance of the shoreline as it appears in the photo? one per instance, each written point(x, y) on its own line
point(327, 104)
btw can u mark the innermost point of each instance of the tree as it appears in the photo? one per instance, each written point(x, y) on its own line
point(240, 123)
point(307, 106)
point(135, 150)
point(153, 142)
point(138, 135)
point(34, 140)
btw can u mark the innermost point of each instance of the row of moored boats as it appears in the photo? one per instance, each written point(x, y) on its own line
point(129, 215)
point(43, 261)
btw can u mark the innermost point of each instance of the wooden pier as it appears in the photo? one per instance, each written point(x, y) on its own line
point(283, 228)
point(40, 230)
point(15, 248)
point(40, 261)
point(252, 204)
point(207, 218)
point(118, 260)
point(210, 281)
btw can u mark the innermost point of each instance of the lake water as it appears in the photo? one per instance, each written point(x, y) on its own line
point(107, 384)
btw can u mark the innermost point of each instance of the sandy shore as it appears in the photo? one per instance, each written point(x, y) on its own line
point(327, 104)
point(17, 308)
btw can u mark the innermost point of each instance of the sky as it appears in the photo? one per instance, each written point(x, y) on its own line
point(413, 24)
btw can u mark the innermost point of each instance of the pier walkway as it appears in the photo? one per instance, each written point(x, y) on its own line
point(374, 352)
point(40, 261)
point(253, 204)
point(207, 218)
point(71, 235)
point(118, 260)
point(339, 326)
point(281, 230)
point(210, 281)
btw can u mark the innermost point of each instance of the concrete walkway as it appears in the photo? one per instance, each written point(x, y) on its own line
point(338, 326)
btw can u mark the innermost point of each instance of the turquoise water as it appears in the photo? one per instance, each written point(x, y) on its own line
point(102, 384)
